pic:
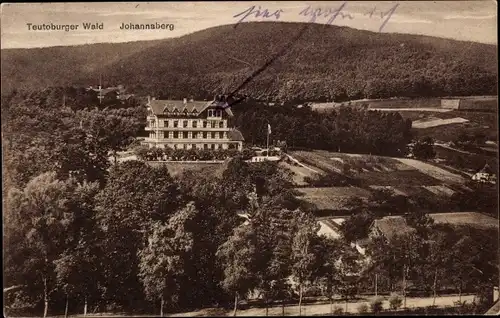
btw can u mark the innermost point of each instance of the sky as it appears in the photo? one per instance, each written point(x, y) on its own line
point(461, 20)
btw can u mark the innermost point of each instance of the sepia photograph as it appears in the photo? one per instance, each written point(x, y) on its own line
point(267, 158)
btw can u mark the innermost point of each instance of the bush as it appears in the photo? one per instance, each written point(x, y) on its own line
point(395, 302)
point(363, 308)
point(376, 305)
point(337, 310)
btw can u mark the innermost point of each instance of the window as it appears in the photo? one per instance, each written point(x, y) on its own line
point(185, 124)
point(204, 135)
point(212, 146)
point(176, 134)
point(193, 146)
point(165, 135)
point(195, 135)
point(212, 124)
point(205, 146)
point(219, 113)
point(184, 134)
point(221, 135)
point(165, 123)
point(221, 124)
point(204, 124)
point(176, 123)
point(175, 146)
point(212, 135)
point(210, 113)
point(195, 124)
point(219, 146)
point(184, 146)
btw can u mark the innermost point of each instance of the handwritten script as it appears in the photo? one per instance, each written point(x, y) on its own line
point(327, 15)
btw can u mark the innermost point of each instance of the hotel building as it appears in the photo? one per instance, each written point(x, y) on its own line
point(191, 125)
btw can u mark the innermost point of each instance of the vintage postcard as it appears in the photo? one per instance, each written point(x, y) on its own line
point(277, 158)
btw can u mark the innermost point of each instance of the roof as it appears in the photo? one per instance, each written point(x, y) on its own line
point(391, 226)
point(475, 219)
point(235, 135)
point(159, 106)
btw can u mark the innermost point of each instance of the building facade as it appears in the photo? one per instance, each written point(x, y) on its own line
point(191, 125)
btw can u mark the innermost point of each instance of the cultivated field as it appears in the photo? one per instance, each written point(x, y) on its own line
point(407, 177)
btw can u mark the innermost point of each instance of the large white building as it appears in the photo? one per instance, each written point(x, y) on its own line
point(191, 124)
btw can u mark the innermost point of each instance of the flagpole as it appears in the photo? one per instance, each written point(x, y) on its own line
point(267, 152)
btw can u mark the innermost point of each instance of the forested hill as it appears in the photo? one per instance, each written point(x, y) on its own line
point(324, 63)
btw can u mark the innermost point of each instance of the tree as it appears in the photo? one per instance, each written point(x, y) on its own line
point(305, 264)
point(135, 195)
point(163, 260)
point(42, 214)
point(77, 270)
point(424, 149)
point(348, 268)
point(330, 252)
point(237, 256)
point(356, 227)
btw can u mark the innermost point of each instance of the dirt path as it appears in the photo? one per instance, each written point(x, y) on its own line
point(324, 309)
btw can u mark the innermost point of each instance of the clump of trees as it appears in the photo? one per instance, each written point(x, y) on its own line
point(424, 149)
point(346, 129)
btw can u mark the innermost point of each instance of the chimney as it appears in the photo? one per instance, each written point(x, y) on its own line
point(185, 101)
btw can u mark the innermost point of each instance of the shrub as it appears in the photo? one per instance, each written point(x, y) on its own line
point(376, 305)
point(363, 308)
point(395, 302)
point(337, 310)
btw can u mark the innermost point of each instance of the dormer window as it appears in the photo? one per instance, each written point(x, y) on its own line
point(165, 109)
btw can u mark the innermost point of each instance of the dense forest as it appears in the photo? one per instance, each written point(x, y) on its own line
point(268, 61)
point(345, 129)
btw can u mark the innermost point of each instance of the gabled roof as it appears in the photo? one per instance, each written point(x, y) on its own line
point(390, 226)
point(235, 135)
point(160, 107)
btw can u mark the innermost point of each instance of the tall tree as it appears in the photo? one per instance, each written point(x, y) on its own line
point(237, 255)
point(305, 263)
point(163, 259)
point(42, 213)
